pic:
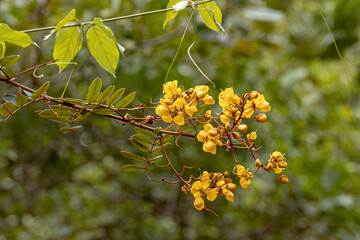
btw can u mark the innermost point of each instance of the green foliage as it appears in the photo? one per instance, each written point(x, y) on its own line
point(105, 94)
point(41, 90)
point(8, 61)
point(94, 90)
point(2, 49)
point(115, 96)
point(68, 42)
point(14, 37)
point(7, 109)
point(170, 14)
point(126, 100)
point(276, 48)
point(211, 15)
point(103, 46)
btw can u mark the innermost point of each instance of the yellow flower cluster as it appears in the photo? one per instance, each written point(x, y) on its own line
point(176, 103)
point(255, 101)
point(244, 176)
point(220, 186)
point(230, 102)
point(210, 137)
point(277, 162)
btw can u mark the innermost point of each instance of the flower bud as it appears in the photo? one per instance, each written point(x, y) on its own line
point(226, 174)
point(216, 177)
point(213, 132)
point(227, 127)
point(169, 101)
point(228, 180)
point(278, 156)
point(200, 94)
point(231, 186)
point(254, 94)
point(257, 163)
point(190, 90)
point(269, 166)
point(199, 203)
point(236, 135)
point(282, 164)
point(261, 118)
point(283, 179)
point(242, 128)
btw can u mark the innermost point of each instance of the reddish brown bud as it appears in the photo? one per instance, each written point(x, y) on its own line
point(283, 179)
point(226, 174)
point(236, 135)
point(282, 164)
point(269, 166)
point(257, 163)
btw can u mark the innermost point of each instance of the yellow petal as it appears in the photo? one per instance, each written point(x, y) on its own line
point(199, 203)
point(229, 195)
point(245, 182)
point(224, 119)
point(179, 119)
point(210, 147)
point(201, 135)
point(208, 127)
point(161, 110)
point(167, 118)
point(208, 100)
point(197, 186)
point(190, 110)
point(212, 194)
point(240, 170)
point(252, 136)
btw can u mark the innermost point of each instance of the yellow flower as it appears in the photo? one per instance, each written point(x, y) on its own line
point(210, 137)
point(199, 203)
point(255, 103)
point(171, 89)
point(190, 110)
point(251, 136)
point(277, 161)
point(179, 119)
point(244, 175)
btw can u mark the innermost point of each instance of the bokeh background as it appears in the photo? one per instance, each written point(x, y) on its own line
point(56, 186)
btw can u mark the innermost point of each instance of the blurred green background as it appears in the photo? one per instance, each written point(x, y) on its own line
point(55, 186)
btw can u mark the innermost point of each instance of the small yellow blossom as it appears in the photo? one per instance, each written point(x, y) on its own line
point(277, 161)
point(210, 137)
point(251, 136)
point(244, 175)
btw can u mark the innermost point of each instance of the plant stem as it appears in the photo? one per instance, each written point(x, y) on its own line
point(111, 19)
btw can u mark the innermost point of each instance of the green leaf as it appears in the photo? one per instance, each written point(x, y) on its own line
point(126, 100)
point(103, 46)
point(68, 18)
point(70, 100)
point(139, 145)
point(144, 132)
point(61, 112)
point(115, 96)
point(48, 114)
point(94, 90)
point(158, 149)
point(185, 128)
point(142, 139)
point(9, 60)
point(2, 49)
point(68, 42)
point(155, 158)
point(170, 14)
point(7, 109)
point(9, 98)
point(133, 156)
point(40, 90)
point(211, 15)
point(21, 99)
point(82, 116)
point(105, 94)
point(65, 130)
point(61, 108)
point(133, 168)
point(103, 111)
point(14, 37)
